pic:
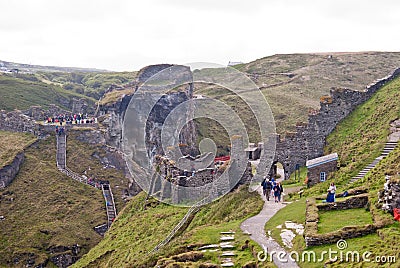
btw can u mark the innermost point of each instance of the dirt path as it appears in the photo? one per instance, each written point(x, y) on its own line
point(255, 226)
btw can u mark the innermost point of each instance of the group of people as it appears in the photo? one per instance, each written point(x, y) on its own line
point(60, 130)
point(274, 187)
point(70, 119)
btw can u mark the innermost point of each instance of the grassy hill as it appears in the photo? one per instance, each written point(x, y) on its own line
point(47, 213)
point(137, 231)
point(20, 93)
point(90, 84)
point(358, 139)
point(294, 83)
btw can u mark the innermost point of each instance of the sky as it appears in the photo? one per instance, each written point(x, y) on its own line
point(127, 35)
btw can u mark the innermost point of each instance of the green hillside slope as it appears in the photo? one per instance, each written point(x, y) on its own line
point(47, 213)
point(137, 231)
point(90, 84)
point(19, 93)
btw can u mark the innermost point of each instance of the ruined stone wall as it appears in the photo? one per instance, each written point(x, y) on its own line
point(309, 139)
point(8, 172)
point(17, 122)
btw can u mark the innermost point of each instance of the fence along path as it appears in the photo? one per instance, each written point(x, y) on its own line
point(61, 157)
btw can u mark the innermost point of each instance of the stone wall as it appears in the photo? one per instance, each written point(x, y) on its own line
point(8, 172)
point(17, 122)
point(311, 235)
point(358, 201)
point(309, 139)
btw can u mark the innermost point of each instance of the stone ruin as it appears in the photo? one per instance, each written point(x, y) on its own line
point(292, 149)
point(309, 139)
point(16, 121)
point(202, 174)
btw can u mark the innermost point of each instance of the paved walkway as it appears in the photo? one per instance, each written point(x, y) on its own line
point(255, 226)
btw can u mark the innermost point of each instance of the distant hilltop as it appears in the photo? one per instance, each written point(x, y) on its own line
point(11, 67)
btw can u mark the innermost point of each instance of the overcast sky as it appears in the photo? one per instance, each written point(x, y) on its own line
point(127, 35)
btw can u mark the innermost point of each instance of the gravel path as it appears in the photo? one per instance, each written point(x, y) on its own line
point(255, 226)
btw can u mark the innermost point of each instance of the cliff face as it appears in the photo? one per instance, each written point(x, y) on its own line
point(112, 115)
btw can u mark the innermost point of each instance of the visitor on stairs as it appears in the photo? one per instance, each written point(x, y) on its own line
point(331, 193)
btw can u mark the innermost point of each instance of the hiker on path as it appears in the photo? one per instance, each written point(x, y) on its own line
point(331, 193)
point(277, 192)
point(267, 187)
point(280, 191)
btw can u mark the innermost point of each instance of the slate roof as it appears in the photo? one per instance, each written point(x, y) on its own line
point(322, 160)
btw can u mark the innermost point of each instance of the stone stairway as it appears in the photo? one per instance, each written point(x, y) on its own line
point(110, 205)
point(61, 151)
point(61, 158)
point(389, 146)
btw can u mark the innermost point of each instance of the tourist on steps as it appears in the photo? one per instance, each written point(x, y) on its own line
point(331, 193)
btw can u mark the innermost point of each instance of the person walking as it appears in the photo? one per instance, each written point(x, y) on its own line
point(277, 192)
point(267, 187)
point(280, 192)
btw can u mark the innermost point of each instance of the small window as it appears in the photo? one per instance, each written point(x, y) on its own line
point(322, 176)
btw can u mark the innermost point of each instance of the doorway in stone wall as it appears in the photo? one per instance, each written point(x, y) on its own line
point(277, 171)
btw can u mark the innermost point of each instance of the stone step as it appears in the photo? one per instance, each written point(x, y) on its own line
point(227, 238)
point(228, 254)
point(209, 246)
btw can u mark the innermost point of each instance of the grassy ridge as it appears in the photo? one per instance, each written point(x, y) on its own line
point(20, 94)
point(90, 84)
point(44, 209)
point(11, 144)
point(294, 83)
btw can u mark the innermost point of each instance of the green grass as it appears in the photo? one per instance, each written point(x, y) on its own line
point(330, 221)
point(20, 94)
point(135, 232)
point(90, 84)
point(382, 243)
point(11, 144)
point(44, 209)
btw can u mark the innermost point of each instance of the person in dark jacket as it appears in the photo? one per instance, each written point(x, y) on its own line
point(278, 189)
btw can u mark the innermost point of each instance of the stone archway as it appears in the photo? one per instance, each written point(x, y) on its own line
point(277, 170)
